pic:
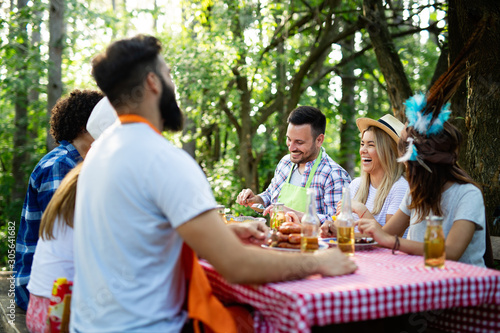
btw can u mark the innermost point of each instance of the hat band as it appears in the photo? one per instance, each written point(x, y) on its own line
point(387, 124)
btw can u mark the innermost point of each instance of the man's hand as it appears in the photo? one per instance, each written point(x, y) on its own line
point(213, 240)
point(250, 232)
point(248, 198)
point(294, 215)
point(333, 262)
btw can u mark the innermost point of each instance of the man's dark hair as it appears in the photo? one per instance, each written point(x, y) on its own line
point(309, 115)
point(122, 69)
point(70, 115)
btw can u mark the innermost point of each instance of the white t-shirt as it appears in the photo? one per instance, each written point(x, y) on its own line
point(391, 203)
point(53, 259)
point(458, 202)
point(134, 190)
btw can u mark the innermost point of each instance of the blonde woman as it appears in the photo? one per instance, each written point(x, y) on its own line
point(54, 252)
point(379, 191)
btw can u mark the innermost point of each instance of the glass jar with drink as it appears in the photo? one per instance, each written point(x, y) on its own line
point(278, 215)
point(310, 224)
point(221, 209)
point(434, 242)
point(345, 224)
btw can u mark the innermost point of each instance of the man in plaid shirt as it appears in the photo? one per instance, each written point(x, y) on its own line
point(307, 165)
point(67, 126)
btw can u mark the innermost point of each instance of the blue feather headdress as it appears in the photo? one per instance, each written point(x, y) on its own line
point(424, 123)
point(427, 114)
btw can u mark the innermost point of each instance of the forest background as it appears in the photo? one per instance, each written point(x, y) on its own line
point(241, 67)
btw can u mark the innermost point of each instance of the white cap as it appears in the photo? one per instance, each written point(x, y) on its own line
point(103, 115)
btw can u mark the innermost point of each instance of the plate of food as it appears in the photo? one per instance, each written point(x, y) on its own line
point(287, 238)
point(293, 247)
point(241, 218)
point(361, 243)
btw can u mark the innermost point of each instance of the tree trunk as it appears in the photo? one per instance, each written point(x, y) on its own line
point(388, 59)
point(56, 45)
point(480, 157)
point(21, 106)
point(247, 160)
point(348, 130)
point(35, 41)
point(442, 65)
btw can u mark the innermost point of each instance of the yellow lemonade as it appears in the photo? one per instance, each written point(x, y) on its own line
point(345, 240)
point(308, 244)
point(434, 247)
point(277, 220)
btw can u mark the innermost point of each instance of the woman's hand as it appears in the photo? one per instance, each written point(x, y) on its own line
point(372, 228)
point(358, 208)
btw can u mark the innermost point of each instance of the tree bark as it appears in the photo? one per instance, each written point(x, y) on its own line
point(479, 103)
point(442, 64)
point(348, 130)
point(20, 155)
point(36, 38)
point(56, 45)
point(388, 59)
point(246, 128)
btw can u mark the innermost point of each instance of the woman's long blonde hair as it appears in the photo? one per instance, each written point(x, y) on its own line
point(387, 151)
point(61, 205)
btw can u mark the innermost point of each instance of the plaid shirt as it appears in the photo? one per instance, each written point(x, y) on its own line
point(328, 182)
point(43, 182)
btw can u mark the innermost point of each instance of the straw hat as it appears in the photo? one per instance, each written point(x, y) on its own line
point(387, 123)
point(103, 115)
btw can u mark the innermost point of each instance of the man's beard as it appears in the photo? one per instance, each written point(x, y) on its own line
point(173, 119)
point(308, 155)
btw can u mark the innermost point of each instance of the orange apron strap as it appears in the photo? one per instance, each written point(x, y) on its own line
point(134, 118)
point(202, 305)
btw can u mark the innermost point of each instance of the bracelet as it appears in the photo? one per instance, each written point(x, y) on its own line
point(396, 244)
point(363, 213)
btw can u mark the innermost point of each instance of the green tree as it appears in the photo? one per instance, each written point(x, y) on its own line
point(255, 63)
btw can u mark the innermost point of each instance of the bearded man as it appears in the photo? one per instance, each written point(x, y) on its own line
point(307, 165)
point(143, 206)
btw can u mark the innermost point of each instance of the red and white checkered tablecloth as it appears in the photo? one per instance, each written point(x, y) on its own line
point(384, 285)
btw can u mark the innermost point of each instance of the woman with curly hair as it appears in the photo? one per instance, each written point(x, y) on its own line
point(67, 126)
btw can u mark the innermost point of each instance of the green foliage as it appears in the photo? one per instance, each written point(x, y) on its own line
point(23, 74)
point(220, 48)
point(21, 67)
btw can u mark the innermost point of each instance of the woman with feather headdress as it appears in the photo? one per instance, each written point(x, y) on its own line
point(429, 146)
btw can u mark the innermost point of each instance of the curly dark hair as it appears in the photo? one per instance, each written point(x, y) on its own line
point(70, 115)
